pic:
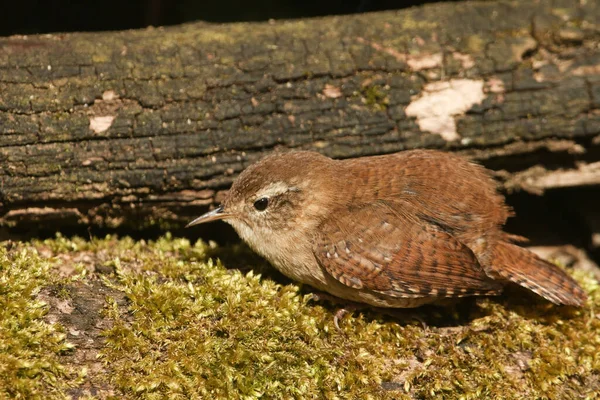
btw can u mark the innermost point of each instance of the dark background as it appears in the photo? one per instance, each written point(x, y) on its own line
point(45, 16)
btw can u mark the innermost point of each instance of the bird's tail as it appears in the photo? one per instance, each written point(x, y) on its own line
point(524, 268)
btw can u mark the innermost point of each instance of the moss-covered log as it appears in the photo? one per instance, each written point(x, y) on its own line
point(145, 127)
point(120, 319)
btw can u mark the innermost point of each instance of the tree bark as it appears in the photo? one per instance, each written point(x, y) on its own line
point(145, 128)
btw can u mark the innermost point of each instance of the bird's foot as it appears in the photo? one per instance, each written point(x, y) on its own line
point(341, 313)
point(348, 306)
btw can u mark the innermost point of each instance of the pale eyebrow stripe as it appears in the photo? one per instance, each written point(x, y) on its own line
point(275, 189)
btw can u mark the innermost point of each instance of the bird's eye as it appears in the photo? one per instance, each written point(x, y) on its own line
point(261, 204)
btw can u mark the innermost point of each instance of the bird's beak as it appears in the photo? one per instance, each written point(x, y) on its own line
point(216, 214)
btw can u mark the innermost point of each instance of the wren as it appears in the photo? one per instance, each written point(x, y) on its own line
point(397, 230)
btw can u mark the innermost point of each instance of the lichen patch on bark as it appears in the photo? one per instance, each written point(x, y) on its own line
point(424, 61)
point(466, 60)
point(101, 124)
point(440, 102)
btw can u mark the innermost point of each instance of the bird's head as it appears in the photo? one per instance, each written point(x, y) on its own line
point(278, 194)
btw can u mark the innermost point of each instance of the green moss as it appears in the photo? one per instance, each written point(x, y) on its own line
point(201, 330)
point(376, 97)
point(30, 347)
point(192, 328)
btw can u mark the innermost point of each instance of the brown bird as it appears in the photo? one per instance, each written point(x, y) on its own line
point(398, 230)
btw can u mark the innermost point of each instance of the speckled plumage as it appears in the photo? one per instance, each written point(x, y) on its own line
point(398, 230)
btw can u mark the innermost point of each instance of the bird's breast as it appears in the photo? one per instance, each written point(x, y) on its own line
point(290, 252)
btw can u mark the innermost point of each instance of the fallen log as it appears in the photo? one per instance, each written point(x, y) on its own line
point(148, 128)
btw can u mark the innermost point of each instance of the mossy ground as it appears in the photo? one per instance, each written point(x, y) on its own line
point(192, 328)
point(30, 347)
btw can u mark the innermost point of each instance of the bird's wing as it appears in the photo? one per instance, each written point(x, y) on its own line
point(377, 248)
